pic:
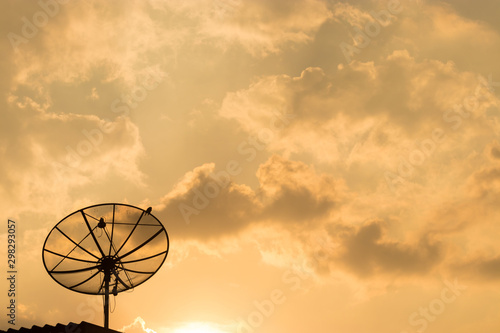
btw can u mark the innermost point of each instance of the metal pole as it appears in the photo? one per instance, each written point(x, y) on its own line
point(106, 299)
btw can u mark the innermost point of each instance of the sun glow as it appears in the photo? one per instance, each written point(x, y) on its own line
point(198, 327)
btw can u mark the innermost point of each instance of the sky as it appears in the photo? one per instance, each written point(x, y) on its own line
point(319, 165)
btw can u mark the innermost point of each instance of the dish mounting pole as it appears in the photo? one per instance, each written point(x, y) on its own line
point(107, 277)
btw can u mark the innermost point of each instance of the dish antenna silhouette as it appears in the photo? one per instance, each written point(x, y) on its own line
point(105, 248)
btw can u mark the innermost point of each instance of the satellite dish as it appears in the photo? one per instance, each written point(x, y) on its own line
point(105, 248)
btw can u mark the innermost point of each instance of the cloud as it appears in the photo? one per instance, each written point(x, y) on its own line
point(336, 249)
point(443, 33)
point(52, 132)
point(204, 204)
point(487, 176)
point(483, 181)
point(57, 153)
point(355, 16)
point(199, 207)
point(495, 150)
point(259, 27)
point(480, 11)
point(368, 119)
point(367, 252)
point(486, 181)
point(479, 268)
point(137, 326)
point(114, 40)
point(294, 193)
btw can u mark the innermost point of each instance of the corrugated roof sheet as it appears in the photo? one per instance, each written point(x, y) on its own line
point(83, 327)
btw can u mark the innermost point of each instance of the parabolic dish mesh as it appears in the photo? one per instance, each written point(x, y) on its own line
point(132, 242)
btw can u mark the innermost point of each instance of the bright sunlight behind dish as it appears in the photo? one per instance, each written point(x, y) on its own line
point(198, 328)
